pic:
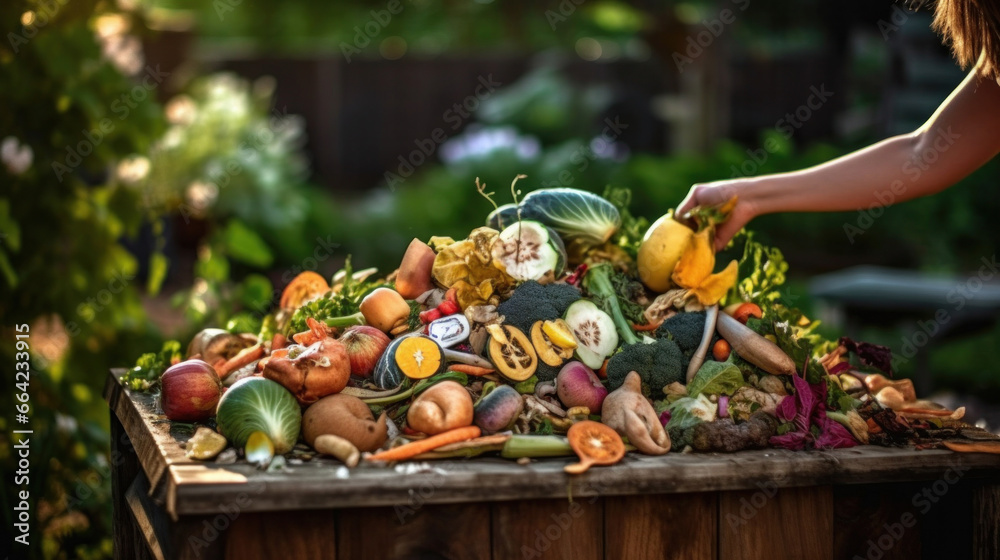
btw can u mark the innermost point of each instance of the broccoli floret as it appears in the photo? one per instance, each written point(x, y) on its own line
point(686, 329)
point(532, 302)
point(658, 364)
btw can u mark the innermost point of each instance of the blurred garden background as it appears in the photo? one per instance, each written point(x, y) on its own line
point(171, 164)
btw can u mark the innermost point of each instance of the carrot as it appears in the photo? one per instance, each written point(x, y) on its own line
point(245, 356)
point(412, 449)
point(603, 372)
point(451, 295)
point(973, 447)
point(278, 342)
point(305, 338)
point(647, 327)
point(474, 371)
point(747, 310)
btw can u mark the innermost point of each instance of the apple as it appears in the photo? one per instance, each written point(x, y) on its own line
point(190, 391)
point(365, 345)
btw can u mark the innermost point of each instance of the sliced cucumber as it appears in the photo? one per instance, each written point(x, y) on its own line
point(529, 250)
point(594, 331)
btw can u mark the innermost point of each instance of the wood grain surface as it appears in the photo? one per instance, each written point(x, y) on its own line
point(188, 487)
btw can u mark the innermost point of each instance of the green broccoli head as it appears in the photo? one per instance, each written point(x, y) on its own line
point(658, 364)
point(686, 329)
point(532, 302)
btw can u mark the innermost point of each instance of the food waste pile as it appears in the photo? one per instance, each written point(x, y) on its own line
point(565, 326)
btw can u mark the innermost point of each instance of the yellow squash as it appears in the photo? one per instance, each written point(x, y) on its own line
point(661, 249)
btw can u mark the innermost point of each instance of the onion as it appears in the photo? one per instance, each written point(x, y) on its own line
point(190, 391)
point(578, 385)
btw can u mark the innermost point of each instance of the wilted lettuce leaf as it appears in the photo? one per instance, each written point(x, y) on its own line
point(716, 378)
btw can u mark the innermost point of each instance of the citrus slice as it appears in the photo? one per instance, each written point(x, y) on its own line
point(595, 444)
point(304, 288)
point(419, 357)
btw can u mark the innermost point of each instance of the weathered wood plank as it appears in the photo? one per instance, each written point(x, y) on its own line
point(194, 488)
point(157, 449)
point(785, 523)
point(875, 522)
point(549, 529)
point(299, 535)
point(414, 530)
point(986, 527)
point(137, 500)
point(128, 542)
point(668, 526)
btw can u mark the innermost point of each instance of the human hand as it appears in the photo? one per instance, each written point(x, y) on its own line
point(716, 194)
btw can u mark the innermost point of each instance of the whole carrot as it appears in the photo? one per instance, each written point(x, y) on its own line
point(474, 371)
point(412, 449)
point(246, 356)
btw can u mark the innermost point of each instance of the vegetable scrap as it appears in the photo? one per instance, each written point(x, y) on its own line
point(563, 327)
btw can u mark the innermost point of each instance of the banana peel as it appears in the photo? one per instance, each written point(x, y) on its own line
point(694, 271)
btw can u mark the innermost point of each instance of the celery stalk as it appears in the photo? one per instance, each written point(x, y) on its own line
point(520, 445)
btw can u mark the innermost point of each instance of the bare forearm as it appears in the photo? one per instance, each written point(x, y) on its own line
point(896, 169)
point(962, 135)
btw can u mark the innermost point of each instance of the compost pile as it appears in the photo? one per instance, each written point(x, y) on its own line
point(564, 326)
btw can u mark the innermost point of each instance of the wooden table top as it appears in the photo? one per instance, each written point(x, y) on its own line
point(188, 487)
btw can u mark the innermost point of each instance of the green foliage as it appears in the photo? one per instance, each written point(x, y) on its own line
point(63, 268)
point(716, 378)
point(633, 228)
point(150, 366)
point(424, 27)
point(341, 303)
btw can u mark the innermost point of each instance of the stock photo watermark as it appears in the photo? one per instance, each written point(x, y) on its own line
point(786, 126)
point(713, 28)
point(923, 502)
point(959, 296)
point(122, 107)
point(584, 155)
point(913, 168)
point(21, 437)
point(34, 20)
point(367, 32)
point(563, 12)
point(455, 116)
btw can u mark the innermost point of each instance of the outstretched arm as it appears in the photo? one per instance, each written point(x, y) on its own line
point(962, 135)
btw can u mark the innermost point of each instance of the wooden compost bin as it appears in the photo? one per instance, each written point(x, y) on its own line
point(865, 502)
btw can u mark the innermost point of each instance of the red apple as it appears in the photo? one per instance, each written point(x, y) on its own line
point(190, 391)
point(365, 345)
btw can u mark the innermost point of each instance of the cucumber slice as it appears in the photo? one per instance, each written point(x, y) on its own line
point(594, 331)
point(529, 250)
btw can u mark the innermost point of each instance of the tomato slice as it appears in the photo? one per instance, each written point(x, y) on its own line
point(595, 444)
point(305, 287)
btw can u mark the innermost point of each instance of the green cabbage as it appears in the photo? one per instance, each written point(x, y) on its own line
point(576, 215)
point(258, 404)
